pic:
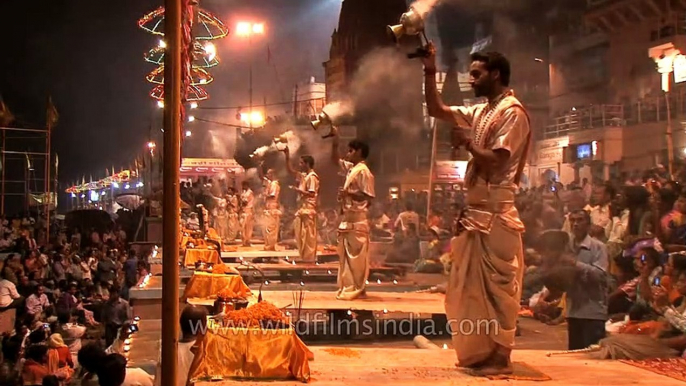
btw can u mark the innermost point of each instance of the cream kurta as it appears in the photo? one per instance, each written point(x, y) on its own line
point(353, 232)
point(247, 215)
point(272, 215)
point(305, 223)
point(484, 289)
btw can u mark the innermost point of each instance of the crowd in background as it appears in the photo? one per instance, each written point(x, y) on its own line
point(608, 258)
point(69, 302)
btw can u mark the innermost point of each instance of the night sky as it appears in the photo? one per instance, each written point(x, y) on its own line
point(89, 57)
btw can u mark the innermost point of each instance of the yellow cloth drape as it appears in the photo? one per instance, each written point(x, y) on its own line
point(208, 285)
point(203, 255)
point(212, 234)
point(250, 353)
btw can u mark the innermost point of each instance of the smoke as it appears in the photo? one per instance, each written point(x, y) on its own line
point(222, 142)
point(387, 94)
point(252, 175)
point(261, 151)
point(424, 6)
point(338, 109)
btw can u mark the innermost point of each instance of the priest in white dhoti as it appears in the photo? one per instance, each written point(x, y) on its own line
point(221, 219)
point(247, 213)
point(353, 232)
point(272, 213)
point(485, 284)
point(233, 222)
point(305, 224)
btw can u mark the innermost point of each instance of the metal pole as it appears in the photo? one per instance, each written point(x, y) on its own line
point(3, 166)
point(251, 63)
point(434, 144)
point(48, 160)
point(170, 205)
point(670, 145)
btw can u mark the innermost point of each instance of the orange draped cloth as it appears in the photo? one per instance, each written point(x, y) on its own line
point(203, 255)
point(226, 353)
point(208, 285)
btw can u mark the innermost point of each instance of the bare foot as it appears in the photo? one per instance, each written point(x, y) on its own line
point(492, 370)
point(497, 364)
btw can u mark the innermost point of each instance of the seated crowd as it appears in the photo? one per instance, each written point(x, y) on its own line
point(609, 260)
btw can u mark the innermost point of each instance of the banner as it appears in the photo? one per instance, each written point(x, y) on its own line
point(42, 200)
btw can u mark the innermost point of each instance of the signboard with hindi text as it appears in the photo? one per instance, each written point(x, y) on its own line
point(450, 171)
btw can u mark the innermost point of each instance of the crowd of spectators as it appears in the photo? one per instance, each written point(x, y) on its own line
point(69, 300)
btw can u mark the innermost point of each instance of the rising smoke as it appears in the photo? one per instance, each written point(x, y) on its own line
point(387, 94)
point(424, 6)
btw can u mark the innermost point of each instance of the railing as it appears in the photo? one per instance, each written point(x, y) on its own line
point(647, 110)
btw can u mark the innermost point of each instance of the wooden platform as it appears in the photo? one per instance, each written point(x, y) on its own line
point(337, 366)
point(390, 302)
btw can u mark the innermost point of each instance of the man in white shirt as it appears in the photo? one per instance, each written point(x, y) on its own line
point(9, 297)
point(193, 322)
point(601, 214)
point(37, 302)
point(409, 216)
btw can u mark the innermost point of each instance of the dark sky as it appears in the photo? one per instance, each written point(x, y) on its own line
point(88, 55)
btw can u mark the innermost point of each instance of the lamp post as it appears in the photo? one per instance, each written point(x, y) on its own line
point(665, 56)
point(247, 29)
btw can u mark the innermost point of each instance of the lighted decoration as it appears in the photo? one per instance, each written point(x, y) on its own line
point(193, 93)
point(207, 27)
point(198, 53)
point(199, 76)
point(113, 180)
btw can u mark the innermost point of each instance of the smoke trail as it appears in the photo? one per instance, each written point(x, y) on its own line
point(387, 93)
point(338, 109)
point(261, 151)
point(424, 6)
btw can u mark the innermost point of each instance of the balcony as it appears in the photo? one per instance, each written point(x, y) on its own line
point(612, 15)
point(588, 118)
point(646, 110)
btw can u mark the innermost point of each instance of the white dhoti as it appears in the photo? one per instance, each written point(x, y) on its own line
point(353, 255)
point(247, 223)
point(305, 226)
point(272, 221)
point(221, 225)
point(233, 226)
point(484, 289)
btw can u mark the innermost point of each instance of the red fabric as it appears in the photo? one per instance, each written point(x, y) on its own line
point(33, 373)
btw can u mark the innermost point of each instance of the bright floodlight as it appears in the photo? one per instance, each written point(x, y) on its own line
point(211, 51)
point(188, 133)
point(194, 105)
point(160, 104)
point(151, 145)
point(258, 28)
point(191, 118)
point(243, 29)
point(163, 44)
point(256, 117)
